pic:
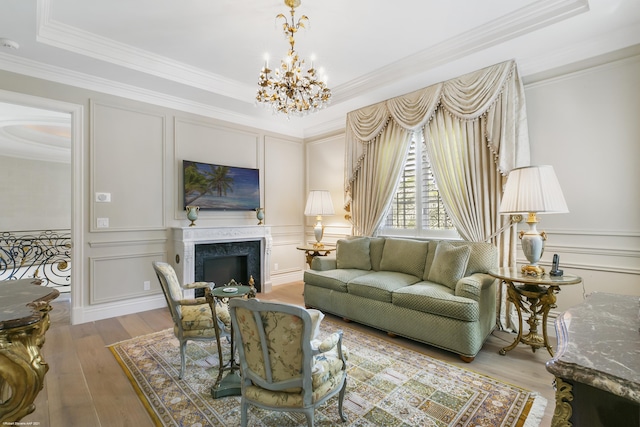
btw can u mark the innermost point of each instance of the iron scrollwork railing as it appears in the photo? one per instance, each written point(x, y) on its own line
point(44, 255)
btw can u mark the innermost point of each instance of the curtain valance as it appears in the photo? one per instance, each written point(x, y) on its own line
point(495, 92)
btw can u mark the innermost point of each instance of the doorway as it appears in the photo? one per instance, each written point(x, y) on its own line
point(41, 182)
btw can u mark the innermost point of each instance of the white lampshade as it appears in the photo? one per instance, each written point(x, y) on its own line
point(533, 189)
point(319, 203)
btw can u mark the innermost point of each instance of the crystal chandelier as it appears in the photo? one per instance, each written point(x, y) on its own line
point(291, 89)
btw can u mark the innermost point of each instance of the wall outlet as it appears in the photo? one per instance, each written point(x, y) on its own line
point(103, 197)
point(275, 267)
point(103, 223)
point(147, 285)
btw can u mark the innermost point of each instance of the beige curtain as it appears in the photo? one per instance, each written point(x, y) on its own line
point(475, 130)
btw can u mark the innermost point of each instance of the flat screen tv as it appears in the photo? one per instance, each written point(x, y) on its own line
point(218, 187)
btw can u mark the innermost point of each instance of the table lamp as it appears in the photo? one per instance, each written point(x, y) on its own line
point(318, 204)
point(533, 190)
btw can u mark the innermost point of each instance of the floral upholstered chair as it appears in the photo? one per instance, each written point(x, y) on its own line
point(281, 369)
point(193, 319)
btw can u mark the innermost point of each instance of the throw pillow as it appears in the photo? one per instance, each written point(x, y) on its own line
point(353, 253)
point(449, 264)
point(404, 256)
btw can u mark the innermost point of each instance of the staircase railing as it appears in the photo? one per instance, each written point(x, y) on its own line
point(40, 254)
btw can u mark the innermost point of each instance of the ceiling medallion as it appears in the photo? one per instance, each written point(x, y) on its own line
point(290, 89)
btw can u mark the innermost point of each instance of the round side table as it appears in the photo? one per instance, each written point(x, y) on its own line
point(230, 384)
point(312, 251)
point(535, 295)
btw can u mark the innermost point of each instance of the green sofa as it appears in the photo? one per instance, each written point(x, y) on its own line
point(435, 292)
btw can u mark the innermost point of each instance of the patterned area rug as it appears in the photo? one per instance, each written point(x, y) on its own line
point(388, 385)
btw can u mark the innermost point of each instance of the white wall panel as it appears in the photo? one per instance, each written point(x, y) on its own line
point(585, 123)
point(127, 161)
point(121, 277)
point(325, 171)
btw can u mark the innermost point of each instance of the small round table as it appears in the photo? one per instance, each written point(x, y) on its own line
point(229, 385)
point(536, 295)
point(312, 251)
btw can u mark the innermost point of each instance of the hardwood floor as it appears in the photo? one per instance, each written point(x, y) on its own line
point(86, 387)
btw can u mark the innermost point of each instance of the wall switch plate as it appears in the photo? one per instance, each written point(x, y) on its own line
point(103, 223)
point(103, 197)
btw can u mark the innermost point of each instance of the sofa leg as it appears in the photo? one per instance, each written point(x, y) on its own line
point(467, 359)
point(345, 320)
point(392, 335)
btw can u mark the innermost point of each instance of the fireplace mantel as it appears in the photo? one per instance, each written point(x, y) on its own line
point(185, 240)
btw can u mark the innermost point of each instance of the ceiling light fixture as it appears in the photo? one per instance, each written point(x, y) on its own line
point(290, 89)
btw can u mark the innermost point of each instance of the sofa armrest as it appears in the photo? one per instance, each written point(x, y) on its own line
point(322, 263)
point(472, 286)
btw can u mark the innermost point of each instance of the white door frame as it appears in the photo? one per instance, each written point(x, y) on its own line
point(77, 183)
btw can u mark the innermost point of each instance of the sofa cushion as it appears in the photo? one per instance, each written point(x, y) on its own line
point(483, 257)
point(404, 256)
point(376, 246)
point(436, 299)
point(449, 264)
point(379, 285)
point(353, 253)
point(332, 279)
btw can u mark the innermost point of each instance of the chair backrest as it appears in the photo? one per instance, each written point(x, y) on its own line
point(274, 344)
point(171, 288)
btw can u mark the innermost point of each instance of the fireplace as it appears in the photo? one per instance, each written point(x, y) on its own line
point(221, 262)
point(219, 254)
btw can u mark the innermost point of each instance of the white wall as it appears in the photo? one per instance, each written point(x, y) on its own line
point(34, 194)
point(586, 124)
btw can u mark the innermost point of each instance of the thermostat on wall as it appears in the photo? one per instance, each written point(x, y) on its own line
point(103, 197)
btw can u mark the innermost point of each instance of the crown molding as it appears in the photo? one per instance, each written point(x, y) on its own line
point(524, 20)
point(65, 76)
point(57, 34)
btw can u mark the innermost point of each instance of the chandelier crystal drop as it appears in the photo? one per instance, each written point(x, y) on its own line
point(290, 89)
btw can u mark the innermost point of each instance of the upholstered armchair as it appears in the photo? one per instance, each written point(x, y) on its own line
point(193, 319)
point(281, 369)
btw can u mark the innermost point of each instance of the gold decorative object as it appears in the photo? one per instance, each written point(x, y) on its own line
point(563, 410)
point(23, 325)
point(290, 89)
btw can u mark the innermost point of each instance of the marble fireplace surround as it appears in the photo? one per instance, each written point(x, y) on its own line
point(185, 240)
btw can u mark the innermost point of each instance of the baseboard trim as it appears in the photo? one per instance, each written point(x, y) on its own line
point(121, 308)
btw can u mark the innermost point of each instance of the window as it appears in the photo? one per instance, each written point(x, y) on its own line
point(417, 209)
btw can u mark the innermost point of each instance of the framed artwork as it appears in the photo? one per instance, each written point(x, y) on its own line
point(218, 187)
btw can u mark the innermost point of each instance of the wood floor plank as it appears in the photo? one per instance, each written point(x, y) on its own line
point(134, 325)
point(69, 401)
point(113, 396)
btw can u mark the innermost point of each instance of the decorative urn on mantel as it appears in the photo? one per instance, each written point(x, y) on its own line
point(192, 214)
point(260, 215)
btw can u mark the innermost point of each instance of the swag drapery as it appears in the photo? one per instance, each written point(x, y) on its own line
point(475, 132)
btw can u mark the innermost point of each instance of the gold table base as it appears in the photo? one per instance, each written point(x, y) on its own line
point(24, 320)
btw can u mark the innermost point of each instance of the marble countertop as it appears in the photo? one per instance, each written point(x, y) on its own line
point(599, 344)
point(19, 302)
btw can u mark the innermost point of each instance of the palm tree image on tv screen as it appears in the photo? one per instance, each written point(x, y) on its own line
point(217, 187)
